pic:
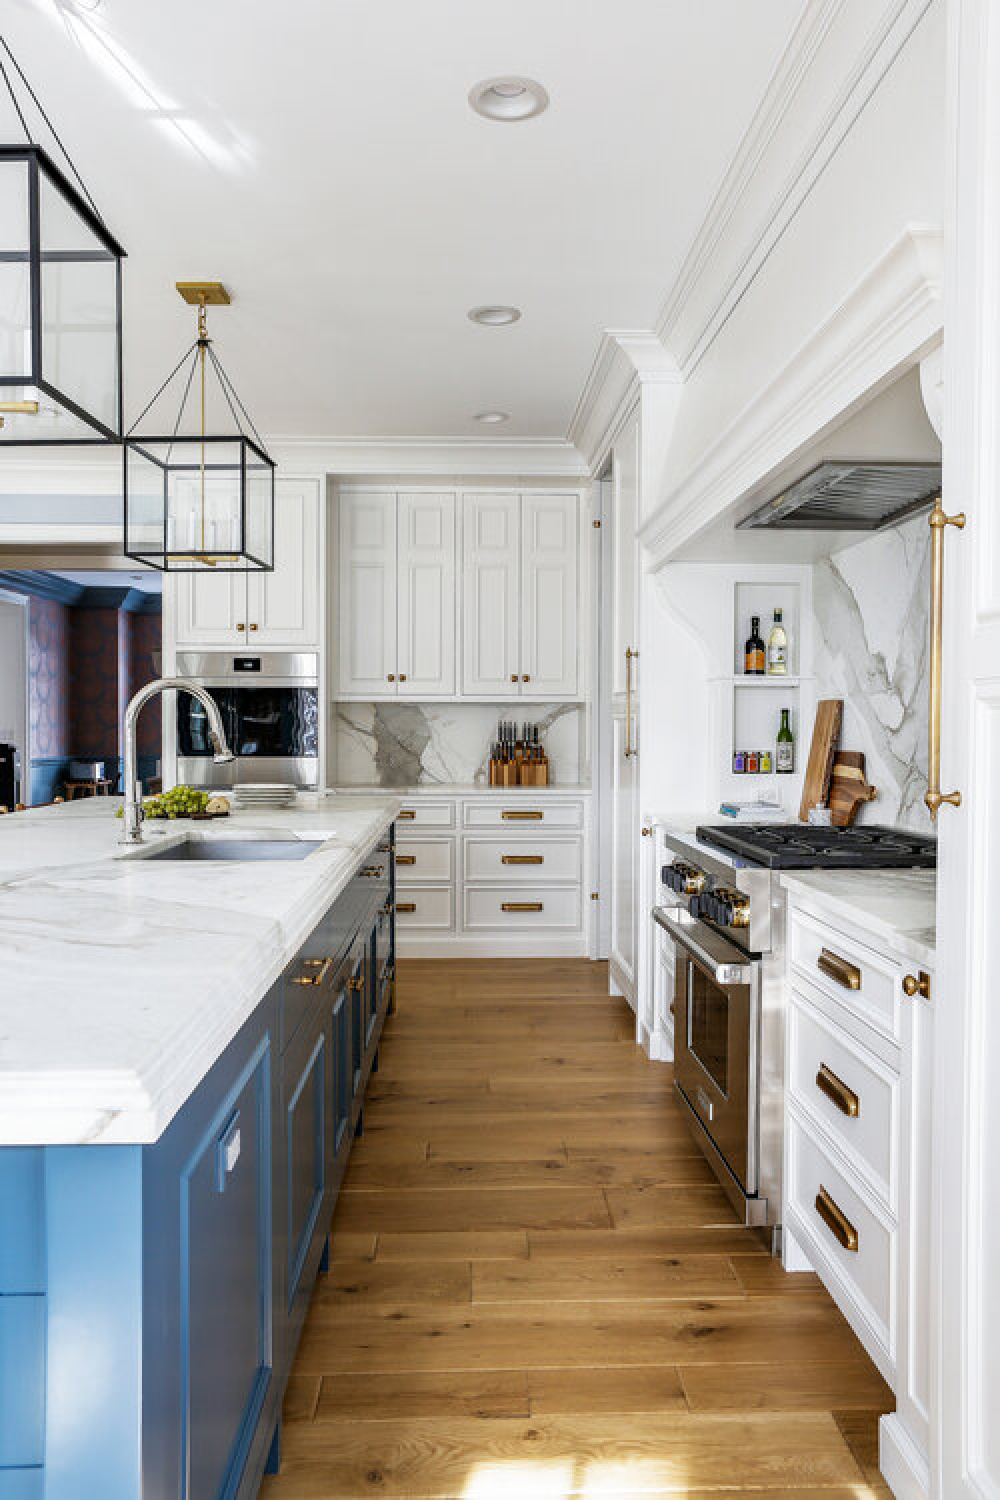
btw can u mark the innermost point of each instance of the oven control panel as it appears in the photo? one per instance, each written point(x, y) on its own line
point(725, 905)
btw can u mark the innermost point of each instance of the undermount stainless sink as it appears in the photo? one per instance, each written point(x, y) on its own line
point(238, 849)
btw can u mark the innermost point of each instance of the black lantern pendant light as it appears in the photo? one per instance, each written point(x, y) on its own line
point(60, 294)
point(201, 501)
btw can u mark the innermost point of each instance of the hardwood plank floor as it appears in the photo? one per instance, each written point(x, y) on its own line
point(537, 1291)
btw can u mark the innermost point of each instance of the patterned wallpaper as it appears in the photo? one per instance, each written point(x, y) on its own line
point(145, 639)
point(94, 683)
point(48, 668)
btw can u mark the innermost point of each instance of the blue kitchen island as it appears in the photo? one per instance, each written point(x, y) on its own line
point(153, 1288)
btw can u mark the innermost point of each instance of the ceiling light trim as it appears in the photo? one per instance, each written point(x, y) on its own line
point(508, 99)
point(494, 314)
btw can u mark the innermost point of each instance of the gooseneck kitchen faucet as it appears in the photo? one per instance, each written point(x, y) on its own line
point(132, 809)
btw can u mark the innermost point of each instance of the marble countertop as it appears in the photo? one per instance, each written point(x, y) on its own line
point(895, 906)
point(125, 978)
point(465, 789)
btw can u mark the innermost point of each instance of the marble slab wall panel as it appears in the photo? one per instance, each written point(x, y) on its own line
point(871, 604)
point(447, 744)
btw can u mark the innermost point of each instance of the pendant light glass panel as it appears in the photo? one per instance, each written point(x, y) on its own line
point(60, 309)
point(199, 505)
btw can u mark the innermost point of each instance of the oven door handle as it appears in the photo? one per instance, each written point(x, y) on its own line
point(722, 968)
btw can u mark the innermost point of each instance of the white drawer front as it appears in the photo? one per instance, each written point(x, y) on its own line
point(864, 1276)
point(523, 811)
point(853, 1095)
point(523, 859)
point(430, 907)
point(528, 908)
point(856, 976)
point(420, 814)
point(423, 859)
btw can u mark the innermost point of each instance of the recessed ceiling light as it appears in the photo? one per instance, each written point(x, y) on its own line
point(492, 416)
point(508, 98)
point(494, 315)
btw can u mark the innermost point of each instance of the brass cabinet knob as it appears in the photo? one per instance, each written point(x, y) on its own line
point(241, 626)
point(513, 676)
point(253, 627)
point(525, 677)
point(391, 677)
point(914, 986)
point(646, 833)
point(402, 676)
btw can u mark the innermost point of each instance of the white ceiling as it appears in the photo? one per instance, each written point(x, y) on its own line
point(321, 159)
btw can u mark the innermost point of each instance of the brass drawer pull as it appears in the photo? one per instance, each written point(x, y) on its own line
point(836, 1089)
point(325, 965)
point(522, 906)
point(914, 986)
point(836, 1221)
point(522, 859)
point(406, 813)
point(371, 872)
point(521, 814)
point(406, 906)
point(356, 985)
point(406, 859)
point(838, 969)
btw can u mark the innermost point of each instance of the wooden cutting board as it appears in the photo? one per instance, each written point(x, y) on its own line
point(826, 732)
point(848, 787)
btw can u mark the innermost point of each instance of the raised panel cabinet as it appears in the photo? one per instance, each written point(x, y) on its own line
point(549, 592)
point(367, 578)
point(491, 634)
point(425, 593)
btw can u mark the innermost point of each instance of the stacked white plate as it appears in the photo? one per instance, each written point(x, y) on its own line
point(250, 794)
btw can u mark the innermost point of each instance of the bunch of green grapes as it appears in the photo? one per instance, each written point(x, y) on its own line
point(179, 802)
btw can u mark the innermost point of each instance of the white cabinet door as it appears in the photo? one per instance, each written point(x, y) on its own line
point(283, 606)
point(208, 611)
point(425, 562)
point(366, 573)
point(491, 667)
point(624, 859)
point(549, 590)
point(624, 568)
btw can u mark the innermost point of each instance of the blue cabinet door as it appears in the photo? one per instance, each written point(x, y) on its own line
point(304, 1099)
point(225, 1286)
point(340, 1033)
point(359, 1015)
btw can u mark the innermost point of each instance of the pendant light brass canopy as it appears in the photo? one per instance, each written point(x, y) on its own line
point(199, 500)
point(60, 292)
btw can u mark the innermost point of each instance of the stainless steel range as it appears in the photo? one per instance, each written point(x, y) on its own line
point(724, 911)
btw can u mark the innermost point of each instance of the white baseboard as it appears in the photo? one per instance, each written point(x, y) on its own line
point(904, 1467)
point(460, 945)
point(661, 1046)
point(619, 985)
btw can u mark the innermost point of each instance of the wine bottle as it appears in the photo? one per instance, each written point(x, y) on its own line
point(756, 651)
point(784, 750)
point(777, 648)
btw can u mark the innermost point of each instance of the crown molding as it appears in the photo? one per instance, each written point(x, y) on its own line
point(886, 324)
point(427, 455)
point(626, 359)
point(788, 145)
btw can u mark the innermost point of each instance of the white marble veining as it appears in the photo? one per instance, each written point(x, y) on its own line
point(896, 907)
point(124, 979)
point(406, 744)
point(870, 603)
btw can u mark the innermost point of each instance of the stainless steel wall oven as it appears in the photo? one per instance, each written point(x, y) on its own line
point(270, 707)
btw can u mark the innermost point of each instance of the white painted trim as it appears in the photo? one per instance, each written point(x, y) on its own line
point(885, 325)
point(710, 285)
point(902, 1464)
point(626, 359)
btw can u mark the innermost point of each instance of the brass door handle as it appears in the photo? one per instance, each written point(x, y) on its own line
point(522, 859)
point(834, 967)
point(406, 859)
point(934, 795)
point(325, 965)
point(406, 813)
point(522, 906)
point(914, 986)
point(630, 655)
point(406, 906)
point(521, 814)
point(837, 1090)
point(836, 1221)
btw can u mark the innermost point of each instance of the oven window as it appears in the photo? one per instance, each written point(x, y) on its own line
point(708, 1026)
point(192, 721)
point(276, 722)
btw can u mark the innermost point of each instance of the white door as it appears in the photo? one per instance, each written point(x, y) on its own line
point(366, 571)
point(550, 560)
point(426, 612)
point(283, 606)
point(624, 857)
point(209, 610)
point(624, 567)
point(491, 665)
point(965, 1438)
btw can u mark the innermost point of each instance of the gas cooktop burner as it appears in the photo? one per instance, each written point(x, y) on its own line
point(800, 846)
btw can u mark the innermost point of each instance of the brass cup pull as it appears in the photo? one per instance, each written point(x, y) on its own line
point(522, 906)
point(406, 906)
point(521, 815)
point(837, 1090)
point(914, 986)
point(319, 977)
point(836, 1221)
point(522, 859)
point(843, 973)
point(406, 814)
point(934, 796)
point(406, 859)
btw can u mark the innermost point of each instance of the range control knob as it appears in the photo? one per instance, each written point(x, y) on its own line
point(686, 879)
point(733, 907)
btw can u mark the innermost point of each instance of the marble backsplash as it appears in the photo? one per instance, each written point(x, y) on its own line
point(871, 608)
point(447, 744)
